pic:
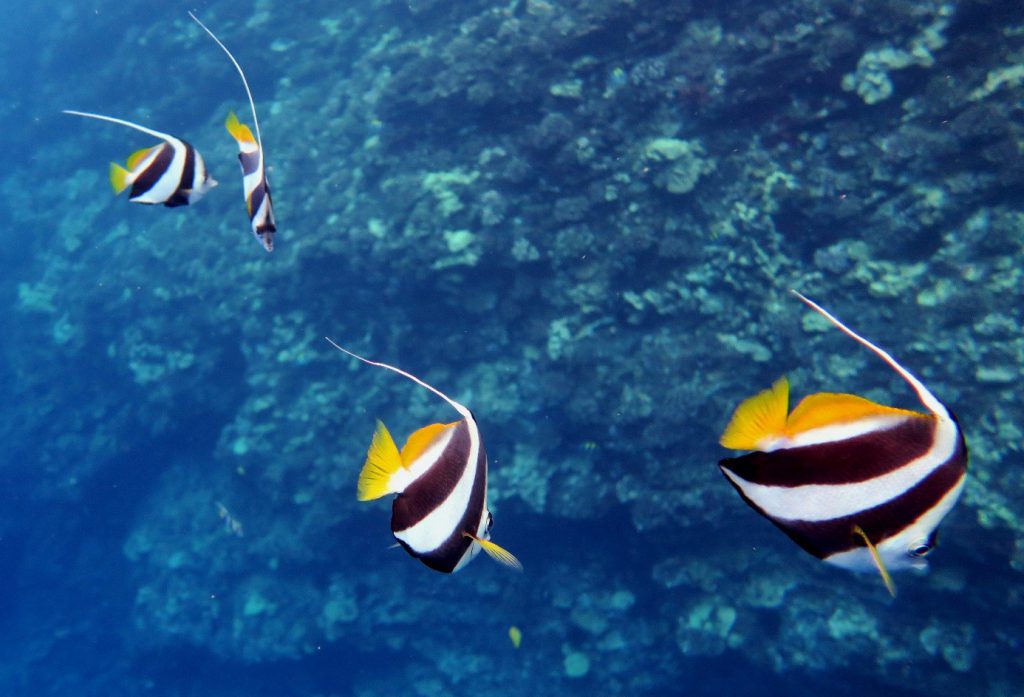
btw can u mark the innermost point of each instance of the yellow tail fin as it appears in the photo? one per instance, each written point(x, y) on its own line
point(238, 130)
point(759, 417)
point(886, 578)
point(382, 461)
point(497, 552)
point(118, 177)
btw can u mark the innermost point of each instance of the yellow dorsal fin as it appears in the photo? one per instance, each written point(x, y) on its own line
point(827, 408)
point(238, 130)
point(420, 440)
point(118, 177)
point(138, 156)
point(758, 417)
point(382, 461)
point(886, 578)
point(497, 552)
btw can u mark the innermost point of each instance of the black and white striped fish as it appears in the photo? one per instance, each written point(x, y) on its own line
point(855, 483)
point(255, 186)
point(440, 513)
point(172, 173)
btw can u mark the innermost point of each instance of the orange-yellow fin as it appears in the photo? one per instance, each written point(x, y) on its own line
point(828, 408)
point(497, 552)
point(118, 177)
point(420, 440)
point(757, 418)
point(382, 461)
point(138, 156)
point(886, 578)
point(238, 130)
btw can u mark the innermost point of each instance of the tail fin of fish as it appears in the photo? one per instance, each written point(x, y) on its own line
point(886, 578)
point(118, 177)
point(758, 418)
point(382, 462)
point(122, 122)
point(248, 92)
point(497, 552)
point(463, 411)
point(238, 130)
point(929, 400)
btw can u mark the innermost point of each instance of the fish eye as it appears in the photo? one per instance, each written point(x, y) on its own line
point(921, 549)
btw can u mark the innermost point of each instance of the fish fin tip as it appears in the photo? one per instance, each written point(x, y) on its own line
point(758, 417)
point(118, 177)
point(497, 552)
point(382, 461)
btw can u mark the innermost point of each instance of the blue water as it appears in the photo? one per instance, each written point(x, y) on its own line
point(580, 219)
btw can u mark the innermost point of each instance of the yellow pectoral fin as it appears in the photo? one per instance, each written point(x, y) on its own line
point(382, 461)
point(118, 177)
point(497, 552)
point(238, 130)
point(886, 578)
point(827, 408)
point(759, 417)
point(421, 440)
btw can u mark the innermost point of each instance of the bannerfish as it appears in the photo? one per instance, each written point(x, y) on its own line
point(439, 514)
point(172, 173)
point(255, 186)
point(857, 484)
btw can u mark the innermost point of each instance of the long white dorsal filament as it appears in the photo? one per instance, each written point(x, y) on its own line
point(929, 400)
point(458, 407)
point(252, 104)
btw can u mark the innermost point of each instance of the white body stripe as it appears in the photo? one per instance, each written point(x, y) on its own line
point(169, 182)
point(438, 525)
point(818, 502)
point(895, 550)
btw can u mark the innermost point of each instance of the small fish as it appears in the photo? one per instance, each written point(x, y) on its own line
point(231, 524)
point(440, 513)
point(258, 203)
point(515, 635)
point(172, 173)
point(857, 484)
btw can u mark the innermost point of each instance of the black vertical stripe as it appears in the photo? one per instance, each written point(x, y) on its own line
point(180, 197)
point(436, 484)
point(153, 172)
point(448, 555)
point(855, 459)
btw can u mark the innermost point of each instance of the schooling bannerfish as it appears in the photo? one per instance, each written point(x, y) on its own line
point(855, 483)
point(172, 173)
point(258, 203)
point(439, 514)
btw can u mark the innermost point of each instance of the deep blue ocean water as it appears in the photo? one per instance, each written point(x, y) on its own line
point(580, 219)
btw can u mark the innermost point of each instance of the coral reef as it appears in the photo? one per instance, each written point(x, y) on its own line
point(581, 219)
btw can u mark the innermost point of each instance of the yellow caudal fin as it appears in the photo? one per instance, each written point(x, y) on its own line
point(118, 177)
point(828, 408)
point(886, 578)
point(421, 440)
point(757, 418)
point(382, 461)
point(497, 552)
point(238, 130)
